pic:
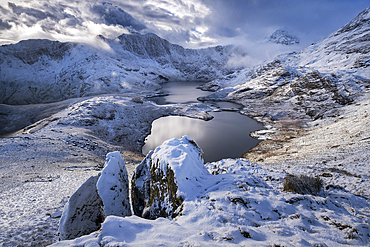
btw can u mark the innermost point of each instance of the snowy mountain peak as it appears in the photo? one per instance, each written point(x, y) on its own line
point(135, 63)
point(282, 37)
point(148, 44)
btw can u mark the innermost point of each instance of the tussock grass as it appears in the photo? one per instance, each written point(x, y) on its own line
point(303, 184)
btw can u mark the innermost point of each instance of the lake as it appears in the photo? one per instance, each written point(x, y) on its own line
point(225, 136)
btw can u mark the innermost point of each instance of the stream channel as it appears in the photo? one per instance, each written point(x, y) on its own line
point(225, 136)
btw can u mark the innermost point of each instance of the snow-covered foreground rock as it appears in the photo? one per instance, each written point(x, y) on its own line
point(235, 203)
point(83, 213)
point(100, 196)
point(166, 178)
point(112, 186)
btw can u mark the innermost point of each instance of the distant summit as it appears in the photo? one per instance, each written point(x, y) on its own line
point(282, 37)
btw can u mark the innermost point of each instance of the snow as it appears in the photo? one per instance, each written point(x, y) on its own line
point(282, 37)
point(42, 71)
point(55, 155)
point(239, 203)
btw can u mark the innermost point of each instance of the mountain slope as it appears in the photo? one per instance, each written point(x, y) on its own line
point(39, 71)
point(306, 86)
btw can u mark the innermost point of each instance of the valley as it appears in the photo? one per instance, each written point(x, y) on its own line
point(65, 106)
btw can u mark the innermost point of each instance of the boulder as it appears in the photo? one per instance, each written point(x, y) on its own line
point(166, 177)
point(100, 196)
point(113, 187)
point(83, 213)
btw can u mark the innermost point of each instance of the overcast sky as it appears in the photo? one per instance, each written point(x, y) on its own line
point(190, 23)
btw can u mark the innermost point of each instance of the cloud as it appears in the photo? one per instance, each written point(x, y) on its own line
point(64, 21)
point(309, 20)
point(4, 25)
point(113, 15)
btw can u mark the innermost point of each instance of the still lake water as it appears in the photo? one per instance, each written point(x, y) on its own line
point(225, 136)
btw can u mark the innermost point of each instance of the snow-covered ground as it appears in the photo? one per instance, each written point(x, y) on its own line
point(47, 161)
point(314, 105)
point(234, 202)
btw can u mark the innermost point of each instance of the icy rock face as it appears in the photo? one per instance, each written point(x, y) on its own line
point(113, 186)
point(83, 213)
point(166, 177)
point(282, 37)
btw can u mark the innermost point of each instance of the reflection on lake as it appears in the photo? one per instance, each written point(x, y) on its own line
point(225, 136)
point(180, 92)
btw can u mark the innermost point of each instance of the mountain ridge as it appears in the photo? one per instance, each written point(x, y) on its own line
point(40, 71)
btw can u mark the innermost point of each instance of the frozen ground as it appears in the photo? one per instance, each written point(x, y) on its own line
point(47, 161)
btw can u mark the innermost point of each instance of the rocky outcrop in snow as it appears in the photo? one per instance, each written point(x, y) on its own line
point(83, 213)
point(113, 186)
point(240, 204)
point(166, 177)
point(100, 196)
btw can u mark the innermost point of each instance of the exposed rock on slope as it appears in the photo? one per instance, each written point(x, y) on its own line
point(83, 213)
point(39, 71)
point(113, 186)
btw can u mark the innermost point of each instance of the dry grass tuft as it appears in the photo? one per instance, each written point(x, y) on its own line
point(303, 184)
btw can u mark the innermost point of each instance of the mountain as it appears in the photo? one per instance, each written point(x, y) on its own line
point(306, 86)
point(40, 71)
point(282, 37)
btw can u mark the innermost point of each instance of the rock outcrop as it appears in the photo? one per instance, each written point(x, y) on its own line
point(83, 213)
point(113, 186)
point(166, 177)
point(100, 196)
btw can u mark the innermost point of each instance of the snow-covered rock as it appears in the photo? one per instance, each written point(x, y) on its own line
point(113, 186)
point(83, 213)
point(282, 37)
point(100, 196)
point(167, 177)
